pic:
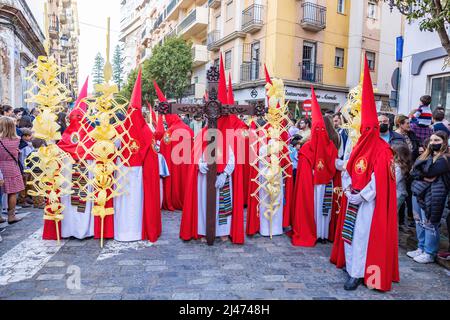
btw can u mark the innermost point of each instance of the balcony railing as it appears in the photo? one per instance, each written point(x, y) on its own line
point(187, 21)
point(171, 6)
point(314, 17)
point(250, 71)
point(311, 72)
point(213, 38)
point(252, 18)
point(214, 4)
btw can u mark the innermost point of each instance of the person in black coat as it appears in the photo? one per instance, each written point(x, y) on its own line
point(431, 185)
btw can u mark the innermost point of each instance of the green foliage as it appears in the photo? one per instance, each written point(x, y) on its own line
point(432, 14)
point(97, 71)
point(170, 66)
point(118, 68)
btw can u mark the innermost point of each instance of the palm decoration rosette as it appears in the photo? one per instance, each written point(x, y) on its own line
point(105, 147)
point(49, 162)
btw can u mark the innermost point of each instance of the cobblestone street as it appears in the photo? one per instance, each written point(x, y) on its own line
point(171, 269)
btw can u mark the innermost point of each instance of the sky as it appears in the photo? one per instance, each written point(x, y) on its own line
point(92, 15)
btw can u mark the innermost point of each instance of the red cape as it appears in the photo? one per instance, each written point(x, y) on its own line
point(189, 220)
point(175, 185)
point(338, 252)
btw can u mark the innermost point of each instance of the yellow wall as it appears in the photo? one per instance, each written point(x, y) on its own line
point(335, 36)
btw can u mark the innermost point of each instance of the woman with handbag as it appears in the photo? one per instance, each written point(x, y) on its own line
point(9, 165)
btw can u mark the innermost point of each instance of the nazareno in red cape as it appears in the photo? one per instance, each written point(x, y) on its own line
point(189, 219)
point(382, 253)
point(174, 186)
point(319, 156)
point(139, 131)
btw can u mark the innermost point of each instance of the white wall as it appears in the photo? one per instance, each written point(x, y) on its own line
point(413, 87)
point(390, 29)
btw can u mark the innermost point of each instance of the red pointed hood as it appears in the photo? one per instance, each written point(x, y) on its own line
point(322, 148)
point(134, 125)
point(230, 90)
point(268, 79)
point(159, 93)
point(361, 163)
point(72, 135)
point(136, 96)
point(222, 90)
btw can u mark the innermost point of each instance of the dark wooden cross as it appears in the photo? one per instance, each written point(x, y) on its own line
point(212, 110)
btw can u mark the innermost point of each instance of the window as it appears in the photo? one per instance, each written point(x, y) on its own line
point(339, 58)
point(228, 59)
point(229, 10)
point(372, 9)
point(216, 63)
point(440, 93)
point(371, 60)
point(341, 6)
point(218, 22)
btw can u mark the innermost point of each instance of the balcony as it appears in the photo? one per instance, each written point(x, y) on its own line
point(314, 17)
point(174, 7)
point(252, 19)
point(200, 55)
point(196, 90)
point(214, 4)
point(213, 40)
point(194, 24)
point(250, 71)
point(311, 72)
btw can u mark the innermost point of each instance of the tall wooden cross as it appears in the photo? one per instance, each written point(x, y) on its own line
point(212, 110)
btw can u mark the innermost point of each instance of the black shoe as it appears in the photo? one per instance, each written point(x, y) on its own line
point(346, 273)
point(352, 284)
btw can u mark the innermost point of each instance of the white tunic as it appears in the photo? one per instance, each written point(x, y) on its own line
point(322, 221)
point(163, 173)
point(128, 208)
point(356, 254)
point(277, 219)
point(224, 229)
point(76, 224)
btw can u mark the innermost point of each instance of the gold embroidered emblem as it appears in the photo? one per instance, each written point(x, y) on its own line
point(134, 147)
point(320, 165)
point(167, 138)
point(75, 138)
point(361, 166)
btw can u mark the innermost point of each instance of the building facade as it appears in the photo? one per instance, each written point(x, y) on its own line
point(303, 42)
point(315, 42)
point(133, 15)
point(64, 32)
point(21, 42)
point(423, 70)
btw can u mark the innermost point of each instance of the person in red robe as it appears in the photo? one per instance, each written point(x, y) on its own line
point(370, 231)
point(229, 186)
point(175, 140)
point(314, 188)
point(142, 178)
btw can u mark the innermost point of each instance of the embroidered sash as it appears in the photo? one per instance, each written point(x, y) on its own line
point(328, 199)
point(225, 203)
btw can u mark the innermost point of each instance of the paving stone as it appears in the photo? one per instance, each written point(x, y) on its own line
point(172, 269)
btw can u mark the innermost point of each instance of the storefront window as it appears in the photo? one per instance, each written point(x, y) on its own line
point(440, 93)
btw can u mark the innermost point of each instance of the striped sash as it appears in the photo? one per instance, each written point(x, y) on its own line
point(78, 187)
point(328, 199)
point(349, 223)
point(225, 203)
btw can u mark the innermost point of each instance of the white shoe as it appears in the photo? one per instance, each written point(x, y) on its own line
point(424, 258)
point(413, 254)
